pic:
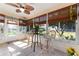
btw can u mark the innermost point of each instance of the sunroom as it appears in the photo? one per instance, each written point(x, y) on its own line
point(39, 29)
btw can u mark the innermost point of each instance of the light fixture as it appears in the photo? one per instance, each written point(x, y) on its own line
point(19, 10)
point(22, 9)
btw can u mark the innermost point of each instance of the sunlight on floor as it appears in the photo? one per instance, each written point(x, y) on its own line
point(11, 49)
point(26, 46)
point(21, 44)
point(16, 54)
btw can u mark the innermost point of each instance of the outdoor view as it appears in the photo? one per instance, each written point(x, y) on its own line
point(12, 30)
point(62, 29)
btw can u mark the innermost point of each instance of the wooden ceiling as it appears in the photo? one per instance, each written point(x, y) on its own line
point(65, 14)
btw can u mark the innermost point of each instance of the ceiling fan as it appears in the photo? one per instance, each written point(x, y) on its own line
point(22, 7)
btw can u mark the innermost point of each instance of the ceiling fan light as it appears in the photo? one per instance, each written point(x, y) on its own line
point(22, 9)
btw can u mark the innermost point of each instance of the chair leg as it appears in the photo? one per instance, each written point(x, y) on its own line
point(37, 39)
point(40, 42)
point(47, 44)
point(34, 46)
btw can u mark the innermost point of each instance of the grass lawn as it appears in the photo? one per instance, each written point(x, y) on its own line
point(11, 33)
point(65, 34)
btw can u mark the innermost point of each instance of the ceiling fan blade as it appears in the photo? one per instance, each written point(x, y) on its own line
point(25, 6)
point(13, 4)
point(28, 7)
point(27, 12)
point(21, 5)
point(18, 10)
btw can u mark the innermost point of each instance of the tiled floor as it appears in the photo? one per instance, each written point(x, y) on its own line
point(21, 48)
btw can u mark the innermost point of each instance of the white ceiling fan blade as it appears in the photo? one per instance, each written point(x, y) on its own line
point(18, 10)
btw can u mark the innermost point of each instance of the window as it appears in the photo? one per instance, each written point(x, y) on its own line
point(12, 29)
point(64, 29)
point(23, 29)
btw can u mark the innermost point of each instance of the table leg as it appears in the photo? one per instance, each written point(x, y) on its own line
point(34, 44)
